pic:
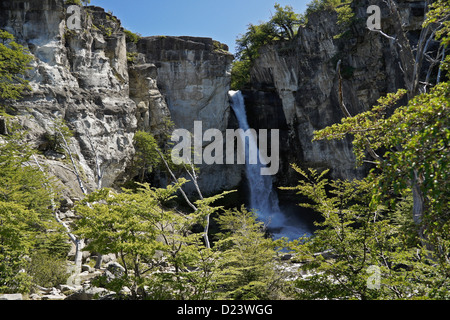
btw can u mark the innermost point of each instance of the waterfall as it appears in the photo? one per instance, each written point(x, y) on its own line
point(263, 198)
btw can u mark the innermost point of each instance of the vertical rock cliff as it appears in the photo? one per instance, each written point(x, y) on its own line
point(80, 76)
point(294, 85)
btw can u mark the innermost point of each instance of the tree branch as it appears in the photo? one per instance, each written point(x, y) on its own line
point(175, 179)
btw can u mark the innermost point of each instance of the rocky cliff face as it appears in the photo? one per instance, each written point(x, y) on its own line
point(194, 74)
point(295, 85)
point(83, 77)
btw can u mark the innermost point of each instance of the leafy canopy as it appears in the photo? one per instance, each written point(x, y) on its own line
point(14, 63)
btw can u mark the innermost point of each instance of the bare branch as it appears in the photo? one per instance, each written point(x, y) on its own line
point(194, 178)
point(438, 80)
point(385, 35)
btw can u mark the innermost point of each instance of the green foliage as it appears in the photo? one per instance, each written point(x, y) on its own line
point(21, 182)
point(14, 61)
point(25, 219)
point(121, 224)
point(256, 36)
point(131, 57)
point(345, 16)
point(78, 2)
point(248, 258)
point(219, 47)
point(240, 77)
point(356, 234)
point(283, 25)
point(47, 270)
point(321, 5)
point(414, 140)
point(131, 36)
point(107, 31)
point(416, 137)
point(285, 22)
point(24, 200)
point(439, 15)
point(146, 157)
point(144, 232)
point(342, 7)
point(370, 222)
point(16, 240)
point(162, 256)
point(55, 138)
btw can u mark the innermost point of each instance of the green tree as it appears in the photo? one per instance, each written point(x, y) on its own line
point(286, 22)
point(282, 26)
point(416, 137)
point(195, 265)
point(25, 218)
point(248, 258)
point(14, 63)
point(146, 157)
point(123, 224)
point(144, 229)
point(256, 36)
point(240, 77)
point(404, 199)
point(439, 14)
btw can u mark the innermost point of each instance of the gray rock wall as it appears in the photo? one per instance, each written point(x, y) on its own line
point(301, 77)
point(80, 76)
point(194, 74)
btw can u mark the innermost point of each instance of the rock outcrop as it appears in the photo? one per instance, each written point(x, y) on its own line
point(294, 85)
point(80, 76)
point(84, 78)
point(194, 74)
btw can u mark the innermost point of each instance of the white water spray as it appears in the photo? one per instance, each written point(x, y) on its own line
point(263, 198)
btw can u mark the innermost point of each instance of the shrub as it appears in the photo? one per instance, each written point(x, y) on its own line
point(47, 270)
point(131, 36)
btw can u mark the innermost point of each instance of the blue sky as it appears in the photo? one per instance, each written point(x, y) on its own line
point(222, 20)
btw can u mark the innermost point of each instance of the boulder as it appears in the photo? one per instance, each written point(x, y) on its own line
point(11, 297)
point(89, 294)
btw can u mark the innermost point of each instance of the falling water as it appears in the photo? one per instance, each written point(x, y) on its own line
point(263, 198)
